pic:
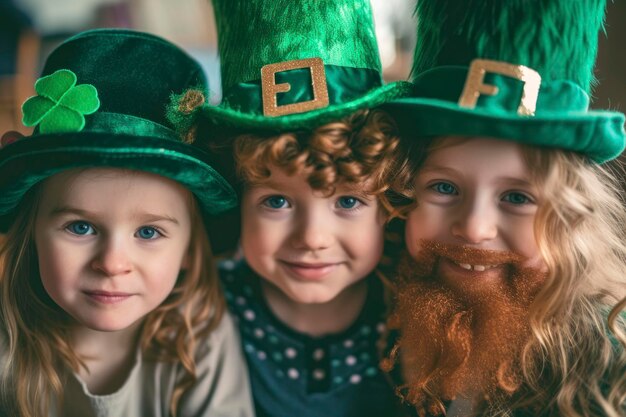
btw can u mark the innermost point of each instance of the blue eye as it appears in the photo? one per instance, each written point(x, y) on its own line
point(148, 232)
point(348, 202)
point(516, 198)
point(444, 188)
point(80, 228)
point(275, 202)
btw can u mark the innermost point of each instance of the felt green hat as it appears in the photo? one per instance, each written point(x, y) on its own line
point(102, 103)
point(512, 69)
point(296, 64)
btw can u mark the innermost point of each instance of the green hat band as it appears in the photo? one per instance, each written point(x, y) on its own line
point(448, 83)
point(343, 84)
point(125, 124)
point(501, 100)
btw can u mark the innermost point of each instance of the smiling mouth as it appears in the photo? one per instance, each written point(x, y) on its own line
point(454, 270)
point(309, 271)
point(477, 268)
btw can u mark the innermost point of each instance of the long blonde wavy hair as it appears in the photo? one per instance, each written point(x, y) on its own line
point(575, 362)
point(39, 354)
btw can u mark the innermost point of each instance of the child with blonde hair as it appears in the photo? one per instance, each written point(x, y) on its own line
point(510, 297)
point(110, 301)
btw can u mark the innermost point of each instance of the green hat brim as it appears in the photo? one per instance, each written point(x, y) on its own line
point(597, 134)
point(220, 115)
point(33, 159)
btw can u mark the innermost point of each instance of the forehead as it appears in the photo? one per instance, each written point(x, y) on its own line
point(473, 156)
point(95, 185)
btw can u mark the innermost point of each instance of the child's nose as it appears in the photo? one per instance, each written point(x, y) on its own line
point(312, 232)
point(475, 223)
point(112, 259)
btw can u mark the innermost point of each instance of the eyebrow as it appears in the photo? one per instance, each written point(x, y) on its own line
point(263, 184)
point(520, 181)
point(279, 187)
point(513, 180)
point(357, 192)
point(145, 217)
point(429, 168)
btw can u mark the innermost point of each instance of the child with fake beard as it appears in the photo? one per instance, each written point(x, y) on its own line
point(509, 298)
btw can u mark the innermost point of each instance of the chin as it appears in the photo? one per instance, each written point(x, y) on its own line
point(312, 297)
point(106, 325)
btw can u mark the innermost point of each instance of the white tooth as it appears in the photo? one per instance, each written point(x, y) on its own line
point(466, 266)
point(479, 268)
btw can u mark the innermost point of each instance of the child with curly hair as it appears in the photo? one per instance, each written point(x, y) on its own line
point(313, 164)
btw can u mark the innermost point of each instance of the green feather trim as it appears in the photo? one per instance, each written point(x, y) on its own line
point(183, 109)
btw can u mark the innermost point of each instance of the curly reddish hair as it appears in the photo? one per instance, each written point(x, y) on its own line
point(363, 148)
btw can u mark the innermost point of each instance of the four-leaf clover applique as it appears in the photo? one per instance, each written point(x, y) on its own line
point(60, 105)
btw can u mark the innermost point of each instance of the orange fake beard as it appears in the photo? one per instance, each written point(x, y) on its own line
point(460, 343)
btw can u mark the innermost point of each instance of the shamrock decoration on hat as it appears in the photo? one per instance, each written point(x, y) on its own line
point(93, 109)
point(60, 105)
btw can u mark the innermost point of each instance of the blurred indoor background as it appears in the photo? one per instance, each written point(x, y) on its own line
point(30, 29)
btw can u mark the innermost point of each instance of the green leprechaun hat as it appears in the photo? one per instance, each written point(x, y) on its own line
point(102, 103)
point(510, 69)
point(296, 64)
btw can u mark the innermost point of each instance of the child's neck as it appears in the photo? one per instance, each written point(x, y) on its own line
point(109, 357)
point(315, 320)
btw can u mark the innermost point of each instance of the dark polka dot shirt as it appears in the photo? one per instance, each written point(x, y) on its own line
point(295, 375)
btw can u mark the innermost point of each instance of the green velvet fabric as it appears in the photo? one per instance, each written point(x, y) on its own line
point(26, 162)
point(215, 116)
point(134, 75)
point(557, 38)
point(446, 83)
point(254, 33)
point(561, 119)
point(123, 124)
point(344, 84)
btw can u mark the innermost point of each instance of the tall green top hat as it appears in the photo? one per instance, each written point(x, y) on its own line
point(102, 103)
point(510, 69)
point(296, 64)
